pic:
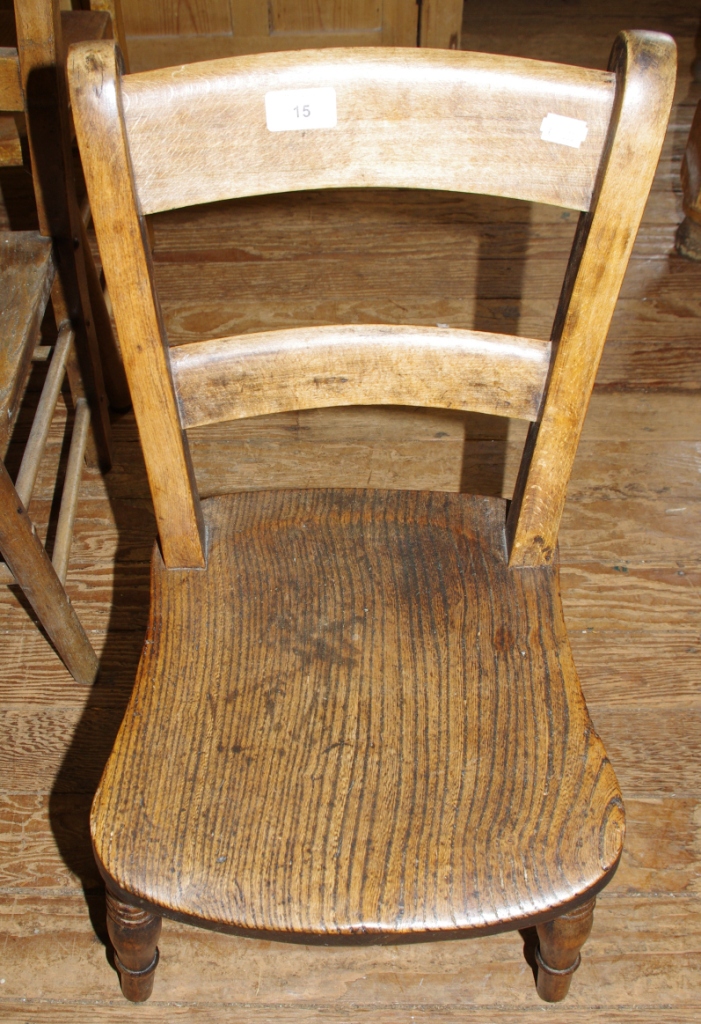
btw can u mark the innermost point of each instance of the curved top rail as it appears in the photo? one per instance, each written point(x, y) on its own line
point(384, 117)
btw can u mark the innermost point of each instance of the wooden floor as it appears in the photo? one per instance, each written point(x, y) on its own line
point(631, 571)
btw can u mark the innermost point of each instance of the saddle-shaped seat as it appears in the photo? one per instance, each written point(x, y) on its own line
point(369, 727)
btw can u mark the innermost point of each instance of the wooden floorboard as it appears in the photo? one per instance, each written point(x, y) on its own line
point(630, 551)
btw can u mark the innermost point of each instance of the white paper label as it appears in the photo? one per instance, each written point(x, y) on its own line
point(566, 131)
point(294, 110)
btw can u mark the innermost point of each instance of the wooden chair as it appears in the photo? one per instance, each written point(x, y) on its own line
point(26, 276)
point(34, 92)
point(32, 85)
point(356, 713)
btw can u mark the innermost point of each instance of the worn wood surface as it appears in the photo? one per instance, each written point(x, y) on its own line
point(26, 276)
point(371, 784)
point(406, 118)
point(163, 132)
point(136, 306)
point(558, 955)
point(134, 935)
point(44, 38)
point(83, 24)
point(39, 433)
point(116, 13)
point(631, 527)
point(10, 143)
point(662, 801)
point(71, 488)
point(645, 66)
point(310, 368)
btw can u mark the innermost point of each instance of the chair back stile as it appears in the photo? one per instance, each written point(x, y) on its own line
point(585, 140)
point(597, 266)
point(126, 257)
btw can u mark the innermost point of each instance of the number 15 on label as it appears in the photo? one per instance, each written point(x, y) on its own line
point(290, 110)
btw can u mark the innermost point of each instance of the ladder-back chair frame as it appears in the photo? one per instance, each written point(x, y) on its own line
point(387, 627)
point(122, 123)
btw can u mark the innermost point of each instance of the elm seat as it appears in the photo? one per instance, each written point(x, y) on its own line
point(334, 775)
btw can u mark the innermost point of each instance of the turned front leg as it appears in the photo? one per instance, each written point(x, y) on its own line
point(558, 956)
point(134, 933)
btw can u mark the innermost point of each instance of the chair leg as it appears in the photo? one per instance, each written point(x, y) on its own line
point(687, 240)
point(32, 569)
point(558, 956)
point(134, 933)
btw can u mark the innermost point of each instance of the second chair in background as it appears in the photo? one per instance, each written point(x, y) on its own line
point(33, 85)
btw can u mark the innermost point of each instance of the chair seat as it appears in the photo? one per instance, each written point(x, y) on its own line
point(372, 725)
point(26, 275)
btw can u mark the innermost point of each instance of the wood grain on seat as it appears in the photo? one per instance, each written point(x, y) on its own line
point(357, 720)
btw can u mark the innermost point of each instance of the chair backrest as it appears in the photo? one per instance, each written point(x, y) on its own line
point(586, 140)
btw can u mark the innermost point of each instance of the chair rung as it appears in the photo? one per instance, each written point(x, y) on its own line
point(359, 364)
point(42, 353)
point(42, 421)
point(69, 499)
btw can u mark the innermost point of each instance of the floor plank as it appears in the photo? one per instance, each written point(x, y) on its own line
point(245, 973)
point(53, 1012)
